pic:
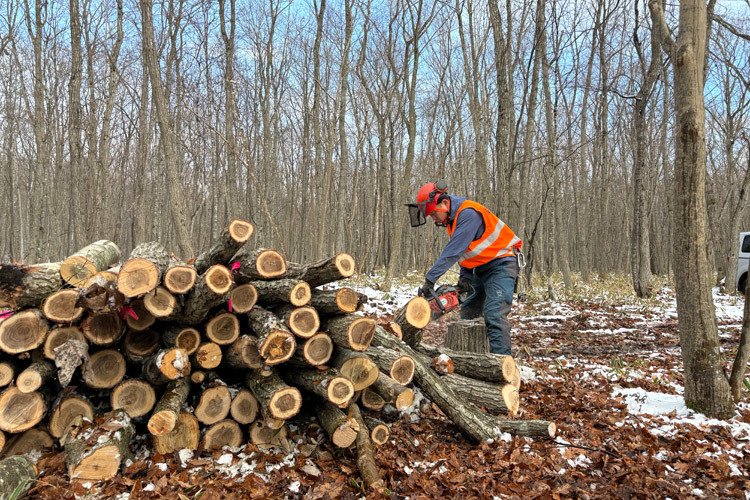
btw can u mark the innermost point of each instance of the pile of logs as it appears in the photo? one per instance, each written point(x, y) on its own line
point(216, 351)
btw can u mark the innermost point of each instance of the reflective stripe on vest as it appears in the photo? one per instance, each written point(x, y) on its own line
point(497, 241)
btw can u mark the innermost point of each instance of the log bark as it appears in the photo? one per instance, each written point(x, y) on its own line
point(88, 261)
point(17, 476)
point(179, 279)
point(412, 318)
point(20, 411)
point(223, 329)
point(102, 328)
point(276, 399)
point(244, 407)
point(365, 454)
point(265, 435)
point(104, 369)
point(495, 398)
point(185, 435)
point(70, 411)
point(26, 286)
point(210, 290)
point(275, 342)
point(392, 392)
point(35, 375)
point(488, 367)
point(258, 265)
point(294, 292)
point(60, 306)
point(351, 332)
point(160, 303)
point(303, 321)
point(138, 346)
point(34, 440)
point(138, 316)
point(341, 428)
point(243, 354)
point(229, 242)
point(2, 441)
point(69, 356)
point(357, 367)
point(398, 366)
point(339, 301)
point(371, 399)
point(315, 351)
point(143, 271)
point(329, 384)
point(467, 335)
point(338, 267)
point(137, 397)
point(224, 433)
point(379, 432)
point(23, 331)
point(208, 356)
point(187, 338)
point(214, 404)
point(243, 298)
point(58, 336)
point(167, 410)
point(98, 453)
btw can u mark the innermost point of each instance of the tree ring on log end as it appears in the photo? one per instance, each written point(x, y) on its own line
point(223, 328)
point(208, 355)
point(102, 463)
point(511, 398)
point(277, 347)
point(304, 322)
point(345, 264)
point(180, 279)
point(318, 349)
point(347, 299)
point(60, 307)
point(402, 370)
point(159, 302)
point(360, 333)
point(76, 269)
point(58, 336)
point(24, 331)
point(243, 298)
point(19, 411)
point(285, 403)
point(102, 328)
point(188, 339)
point(418, 312)
point(379, 434)
point(221, 434)
point(270, 264)
point(340, 391)
point(405, 399)
point(141, 343)
point(69, 412)
point(240, 230)
point(219, 279)
point(301, 294)
point(137, 277)
point(105, 369)
point(135, 396)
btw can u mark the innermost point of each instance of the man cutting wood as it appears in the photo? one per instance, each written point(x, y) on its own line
point(485, 248)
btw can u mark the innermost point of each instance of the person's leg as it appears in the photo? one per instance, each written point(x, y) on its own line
point(474, 305)
point(498, 286)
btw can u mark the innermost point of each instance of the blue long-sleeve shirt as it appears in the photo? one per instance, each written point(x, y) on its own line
point(469, 227)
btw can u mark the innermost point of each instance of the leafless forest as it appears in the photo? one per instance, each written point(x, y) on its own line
point(138, 120)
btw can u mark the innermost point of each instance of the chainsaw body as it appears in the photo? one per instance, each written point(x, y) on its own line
point(447, 298)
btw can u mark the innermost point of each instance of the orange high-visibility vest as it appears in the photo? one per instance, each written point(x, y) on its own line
point(498, 240)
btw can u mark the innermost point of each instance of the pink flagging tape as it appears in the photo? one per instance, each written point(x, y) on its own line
point(230, 304)
point(6, 314)
point(129, 311)
point(235, 265)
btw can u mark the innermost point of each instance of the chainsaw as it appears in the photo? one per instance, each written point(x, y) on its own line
point(447, 298)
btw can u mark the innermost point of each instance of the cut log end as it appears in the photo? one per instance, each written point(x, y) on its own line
point(160, 302)
point(103, 328)
point(347, 300)
point(214, 405)
point(60, 307)
point(102, 463)
point(405, 399)
point(379, 434)
point(221, 434)
point(402, 370)
point(105, 369)
point(360, 333)
point(371, 399)
point(57, 337)
point(219, 279)
point(301, 294)
point(141, 319)
point(361, 370)
point(266, 436)
point(208, 355)
point(138, 345)
point(137, 276)
point(346, 433)
point(318, 349)
point(7, 372)
point(285, 403)
point(244, 408)
point(189, 339)
point(244, 298)
point(76, 269)
point(277, 347)
point(71, 411)
point(162, 422)
point(24, 331)
point(270, 264)
point(20, 411)
point(304, 322)
point(180, 279)
point(135, 396)
point(223, 329)
point(240, 230)
point(340, 391)
point(418, 312)
point(345, 265)
point(510, 396)
point(185, 435)
point(174, 363)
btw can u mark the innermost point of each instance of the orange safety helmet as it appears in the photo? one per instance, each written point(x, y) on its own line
point(428, 197)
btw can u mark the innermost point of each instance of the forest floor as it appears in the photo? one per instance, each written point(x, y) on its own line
point(604, 366)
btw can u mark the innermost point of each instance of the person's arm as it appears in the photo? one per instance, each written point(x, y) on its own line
point(467, 225)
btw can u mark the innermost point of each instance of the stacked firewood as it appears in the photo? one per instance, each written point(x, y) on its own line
point(216, 351)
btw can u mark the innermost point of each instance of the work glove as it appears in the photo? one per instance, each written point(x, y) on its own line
point(426, 289)
point(464, 285)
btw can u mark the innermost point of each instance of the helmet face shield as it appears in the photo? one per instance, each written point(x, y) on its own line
point(416, 214)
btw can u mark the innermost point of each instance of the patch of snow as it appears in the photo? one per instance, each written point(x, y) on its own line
point(294, 487)
point(185, 455)
point(149, 487)
point(162, 466)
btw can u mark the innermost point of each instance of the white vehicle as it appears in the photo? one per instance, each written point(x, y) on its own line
point(742, 261)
